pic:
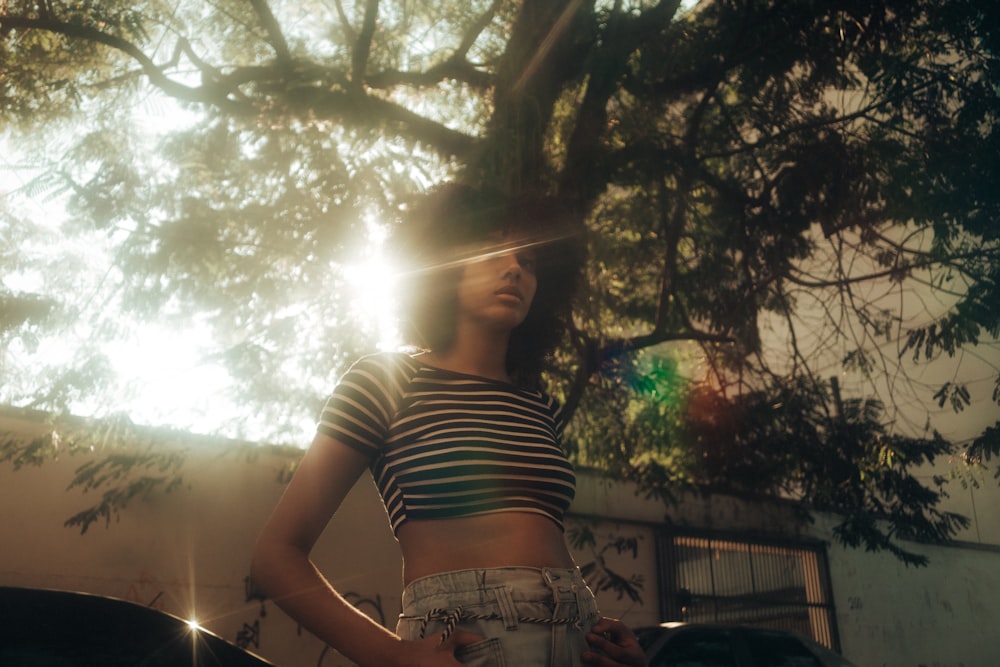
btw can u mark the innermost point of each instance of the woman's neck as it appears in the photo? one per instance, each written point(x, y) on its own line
point(482, 355)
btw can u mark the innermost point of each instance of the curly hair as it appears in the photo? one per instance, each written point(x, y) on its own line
point(454, 224)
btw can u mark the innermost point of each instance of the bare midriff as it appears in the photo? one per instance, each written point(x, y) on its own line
point(508, 539)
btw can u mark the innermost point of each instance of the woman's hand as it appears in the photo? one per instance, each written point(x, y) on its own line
point(614, 644)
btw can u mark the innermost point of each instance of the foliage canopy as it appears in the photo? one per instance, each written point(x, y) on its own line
point(774, 192)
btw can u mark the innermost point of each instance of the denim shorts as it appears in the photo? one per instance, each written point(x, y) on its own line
point(530, 617)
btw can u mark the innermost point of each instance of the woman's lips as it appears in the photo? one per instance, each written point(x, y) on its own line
point(510, 291)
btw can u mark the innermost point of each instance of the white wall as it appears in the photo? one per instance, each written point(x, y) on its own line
point(943, 615)
point(188, 553)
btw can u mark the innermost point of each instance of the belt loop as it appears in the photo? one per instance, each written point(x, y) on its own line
point(581, 610)
point(550, 579)
point(505, 603)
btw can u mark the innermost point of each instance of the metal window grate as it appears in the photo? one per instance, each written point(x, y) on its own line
point(716, 579)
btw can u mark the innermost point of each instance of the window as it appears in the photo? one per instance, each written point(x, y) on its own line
point(716, 579)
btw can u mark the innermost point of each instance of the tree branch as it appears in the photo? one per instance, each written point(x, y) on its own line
point(276, 37)
point(454, 68)
point(865, 113)
point(457, 67)
point(477, 28)
point(671, 231)
point(369, 111)
point(323, 101)
point(607, 65)
point(617, 347)
point(363, 44)
point(207, 94)
point(345, 23)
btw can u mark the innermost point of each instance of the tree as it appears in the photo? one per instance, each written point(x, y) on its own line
point(774, 192)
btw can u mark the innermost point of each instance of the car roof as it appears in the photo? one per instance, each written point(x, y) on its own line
point(46, 626)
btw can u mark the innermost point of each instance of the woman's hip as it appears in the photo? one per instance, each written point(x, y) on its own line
point(529, 616)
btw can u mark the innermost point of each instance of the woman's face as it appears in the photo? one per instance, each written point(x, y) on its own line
point(496, 289)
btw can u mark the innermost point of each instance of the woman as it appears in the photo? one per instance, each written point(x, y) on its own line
point(465, 450)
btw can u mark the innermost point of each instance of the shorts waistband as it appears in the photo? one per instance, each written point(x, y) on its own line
point(528, 580)
point(554, 596)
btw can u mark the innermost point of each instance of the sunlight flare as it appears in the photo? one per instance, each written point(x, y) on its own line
point(373, 282)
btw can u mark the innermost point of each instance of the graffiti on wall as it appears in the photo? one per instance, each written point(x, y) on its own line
point(368, 604)
point(249, 635)
point(150, 591)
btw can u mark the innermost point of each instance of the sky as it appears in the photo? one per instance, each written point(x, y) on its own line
point(164, 377)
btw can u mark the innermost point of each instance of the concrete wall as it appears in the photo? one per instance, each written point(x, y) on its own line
point(943, 615)
point(888, 614)
point(188, 553)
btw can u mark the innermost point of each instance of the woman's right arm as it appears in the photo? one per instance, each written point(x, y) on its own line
point(283, 570)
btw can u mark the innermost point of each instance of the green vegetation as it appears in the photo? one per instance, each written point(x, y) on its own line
point(775, 193)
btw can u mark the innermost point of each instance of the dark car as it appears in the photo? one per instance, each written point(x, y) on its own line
point(46, 627)
point(706, 645)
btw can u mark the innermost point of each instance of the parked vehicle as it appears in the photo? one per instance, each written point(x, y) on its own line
point(46, 627)
point(708, 645)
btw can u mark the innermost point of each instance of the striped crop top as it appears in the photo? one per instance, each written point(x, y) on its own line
point(446, 445)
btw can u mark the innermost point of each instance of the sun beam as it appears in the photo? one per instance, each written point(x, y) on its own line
point(373, 282)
